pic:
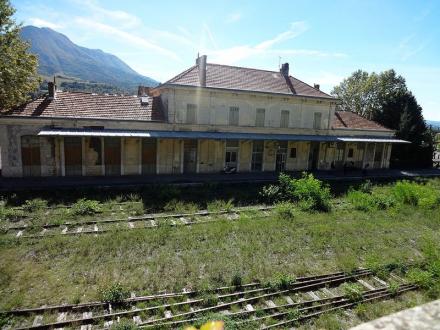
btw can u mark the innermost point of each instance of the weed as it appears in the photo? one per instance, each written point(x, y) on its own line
point(285, 210)
point(209, 299)
point(271, 194)
point(366, 187)
point(220, 205)
point(124, 325)
point(180, 207)
point(236, 280)
point(352, 291)
point(422, 278)
point(85, 207)
point(114, 293)
point(32, 205)
point(11, 214)
point(393, 288)
point(282, 281)
point(416, 194)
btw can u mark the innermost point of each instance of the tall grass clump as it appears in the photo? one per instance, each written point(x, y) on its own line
point(220, 205)
point(285, 210)
point(375, 200)
point(416, 194)
point(85, 207)
point(308, 192)
point(32, 205)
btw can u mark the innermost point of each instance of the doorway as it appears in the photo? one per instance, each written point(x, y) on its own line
point(73, 156)
point(281, 156)
point(190, 156)
point(30, 155)
point(313, 156)
point(112, 155)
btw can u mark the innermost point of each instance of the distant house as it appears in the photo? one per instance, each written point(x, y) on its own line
point(207, 118)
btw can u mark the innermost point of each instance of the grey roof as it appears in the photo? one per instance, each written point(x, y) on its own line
point(211, 135)
point(247, 79)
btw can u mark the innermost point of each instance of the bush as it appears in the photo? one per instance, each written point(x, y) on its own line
point(285, 210)
point(114, 293)
point(236, 280)
point(352, 291)
point(361, 201)
point(209, 300)
point(10, 214)
point(32, 205)
point(271, 194)
point(310, 193)
point(85, 207)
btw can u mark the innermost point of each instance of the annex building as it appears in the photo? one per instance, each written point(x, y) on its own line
point(207, 118)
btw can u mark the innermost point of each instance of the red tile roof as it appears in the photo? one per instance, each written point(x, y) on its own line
point(88, 105)
point(246, 79)
point(351, 120)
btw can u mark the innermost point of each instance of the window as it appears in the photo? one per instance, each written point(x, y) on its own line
point(191, 114)
point(284, 120)
point(260, 117)
point(350, 153)
point(233, 116)
point(317, 120)
point(293, 153)
point(257, 156)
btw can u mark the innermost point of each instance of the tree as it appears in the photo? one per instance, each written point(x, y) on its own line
point(18, 67)
point(386, 99)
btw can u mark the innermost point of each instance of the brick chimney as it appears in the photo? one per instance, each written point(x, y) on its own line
point(143, 91)
point(201, 62)
point(285, 69)
point(52, 87)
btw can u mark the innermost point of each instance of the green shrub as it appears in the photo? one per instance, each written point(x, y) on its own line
point(124, 325)
point(393, 288)
point(366, 187)
point(285, 210)
point(32, 205)
point(310, 193)
point(85, 207)
point(114, 293)
point(271, 194)
point(209, 299)
point(383, 201)
point(416, 194)
point(352, 291)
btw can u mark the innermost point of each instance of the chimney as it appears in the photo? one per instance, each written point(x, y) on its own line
point(201, 62)
point(52, 87)
point(143, 91)
point(316, 86)
point(285, 69)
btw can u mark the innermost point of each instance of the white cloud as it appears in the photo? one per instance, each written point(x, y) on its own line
point(238, 53)
point(126, 37)
point(233, 17)
point(43, 23)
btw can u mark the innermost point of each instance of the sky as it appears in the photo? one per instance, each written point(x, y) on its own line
point(323, 41)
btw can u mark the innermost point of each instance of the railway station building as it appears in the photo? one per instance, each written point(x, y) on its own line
point(207, 119)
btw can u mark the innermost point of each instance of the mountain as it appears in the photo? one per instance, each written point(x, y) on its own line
point(81, 66)
point(434, 124)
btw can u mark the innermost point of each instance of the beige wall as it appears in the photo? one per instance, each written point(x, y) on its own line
point(302, 156)
point(270, 150)
point(131, 156)
point(213, 108)
point(244, 155)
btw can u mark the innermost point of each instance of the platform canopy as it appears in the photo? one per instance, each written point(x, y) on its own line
point(212, 135)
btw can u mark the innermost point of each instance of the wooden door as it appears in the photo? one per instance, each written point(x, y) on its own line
point(112, 155)
point(190, 156)
point(30, 155)
point(149, 151)
point(73, 156)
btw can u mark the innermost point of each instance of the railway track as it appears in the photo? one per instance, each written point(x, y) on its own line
point(265, 306)
point(137, 222)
